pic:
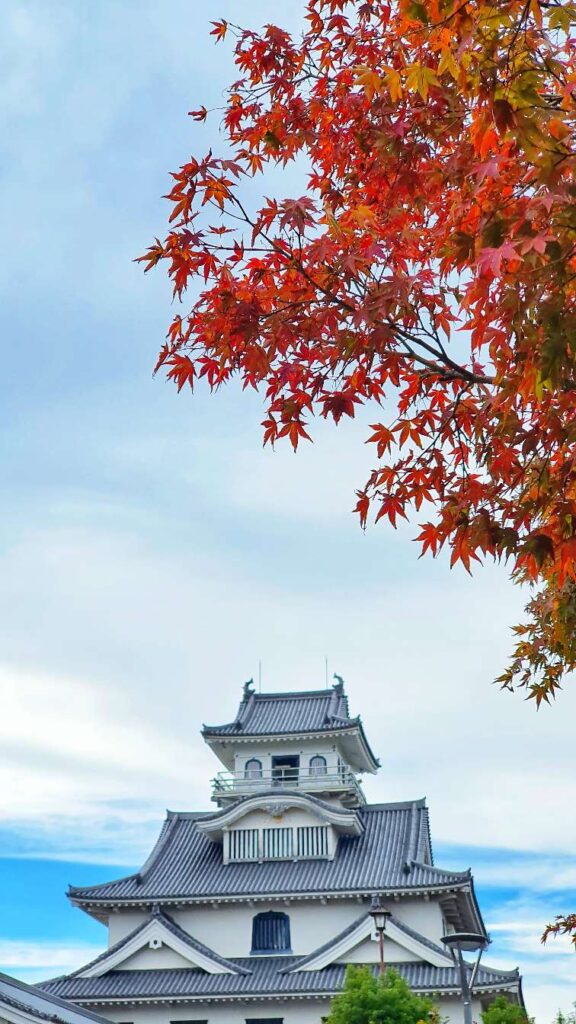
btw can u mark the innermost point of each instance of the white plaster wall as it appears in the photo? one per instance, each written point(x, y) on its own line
point(425, 917)
point(453, 1011)
point(296, 1012)
point(305, 749)
point(228, 928)
point(147, 959)
point(123, 922)
point(368, 952)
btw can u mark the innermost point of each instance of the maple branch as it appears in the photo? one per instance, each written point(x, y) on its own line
point(458, 372)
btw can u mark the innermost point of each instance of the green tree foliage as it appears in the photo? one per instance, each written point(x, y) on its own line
point(501, 1011)
point(366, 999)
point(566, 1018)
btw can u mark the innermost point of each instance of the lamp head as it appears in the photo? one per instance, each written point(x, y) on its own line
point(379, 914)
point(466, 942)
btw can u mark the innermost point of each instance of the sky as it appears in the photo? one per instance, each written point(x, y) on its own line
point(152, 554)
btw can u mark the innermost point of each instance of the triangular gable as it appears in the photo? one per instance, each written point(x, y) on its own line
point(159, 930)
point(420, 947)
point(367, 949)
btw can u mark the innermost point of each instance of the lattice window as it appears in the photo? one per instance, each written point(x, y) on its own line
point(271, 932)
point(313, 841)
point(277, 843)
point(243, 844)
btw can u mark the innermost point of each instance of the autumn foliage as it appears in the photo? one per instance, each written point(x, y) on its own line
point(428, 270)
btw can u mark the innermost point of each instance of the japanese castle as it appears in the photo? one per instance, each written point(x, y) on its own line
point(249, 914)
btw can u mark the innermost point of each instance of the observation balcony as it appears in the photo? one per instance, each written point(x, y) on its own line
point(340, 782)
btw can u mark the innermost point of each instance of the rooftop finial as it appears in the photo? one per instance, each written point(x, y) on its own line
point(339, 684)
point(248, 688)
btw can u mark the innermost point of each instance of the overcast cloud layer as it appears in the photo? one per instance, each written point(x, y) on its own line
point(152, 553)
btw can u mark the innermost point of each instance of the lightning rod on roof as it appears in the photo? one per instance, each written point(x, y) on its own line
point(326, 671)
point(259, 676)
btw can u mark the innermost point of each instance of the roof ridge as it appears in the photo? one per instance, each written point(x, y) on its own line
point(272, 695)
point(163, 840)
point(73, 889)
point(25, 988)
point(410, 848)
point(499, 973)
point(396, 805)
point(188, 815)
point(33, 1011)
point(441, 871)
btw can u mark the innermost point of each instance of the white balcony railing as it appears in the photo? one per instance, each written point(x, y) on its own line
point(243, 783)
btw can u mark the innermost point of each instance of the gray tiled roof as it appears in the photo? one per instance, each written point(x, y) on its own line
point(42, 1005)
point(32, 1011)
point(176, 930)
point(391, 854)
point(265, 714)
point(270, 976)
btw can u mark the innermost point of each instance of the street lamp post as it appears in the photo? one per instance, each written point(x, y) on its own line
point(380, 917)
point(466, 942)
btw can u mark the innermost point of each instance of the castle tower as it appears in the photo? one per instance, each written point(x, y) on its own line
point(250, 913)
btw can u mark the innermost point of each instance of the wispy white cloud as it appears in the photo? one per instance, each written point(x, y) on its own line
point(33, 961)
point(516, 926)
point(153, 554)
point(44, 956)
point(134, 639)
point(543, 872)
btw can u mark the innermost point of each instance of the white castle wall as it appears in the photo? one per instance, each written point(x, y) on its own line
point(424, 916)
point(297, 1012)
point(227, 928)
point(306, 749)
point(291, 1012)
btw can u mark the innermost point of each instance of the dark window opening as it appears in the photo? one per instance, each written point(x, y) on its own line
point(264, 1020)
point(271, 933)
point(253, 769)
point(285, 769)
point(318, 765)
